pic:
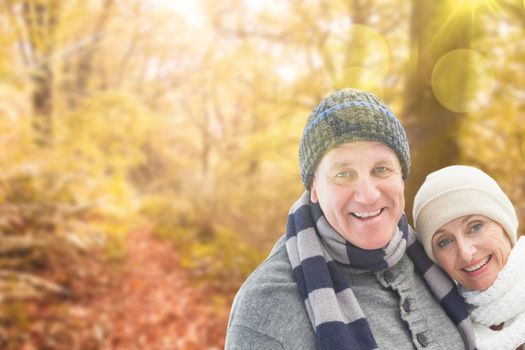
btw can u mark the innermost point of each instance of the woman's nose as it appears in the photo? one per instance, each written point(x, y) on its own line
point(466, 250)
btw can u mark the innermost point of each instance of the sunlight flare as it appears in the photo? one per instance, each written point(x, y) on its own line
point(463, 81)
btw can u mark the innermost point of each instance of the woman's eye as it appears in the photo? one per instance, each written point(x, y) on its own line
point(342, 174)
point(476, 227)
point(442, 243)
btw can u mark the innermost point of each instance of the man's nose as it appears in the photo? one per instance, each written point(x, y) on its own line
point(366, 191)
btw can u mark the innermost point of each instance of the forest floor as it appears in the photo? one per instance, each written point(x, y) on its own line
point(146, 301)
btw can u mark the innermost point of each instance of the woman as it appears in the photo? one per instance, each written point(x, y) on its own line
point(468, 226)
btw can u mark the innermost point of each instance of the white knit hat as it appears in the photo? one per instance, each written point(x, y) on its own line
point(456, 191)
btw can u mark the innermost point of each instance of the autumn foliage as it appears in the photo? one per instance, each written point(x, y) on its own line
point(148, 148)
point(147, 302)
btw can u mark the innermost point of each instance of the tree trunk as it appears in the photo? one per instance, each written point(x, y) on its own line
point(40, 20)
point(431, 128)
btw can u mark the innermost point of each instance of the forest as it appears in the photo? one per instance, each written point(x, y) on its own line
point(148, 148)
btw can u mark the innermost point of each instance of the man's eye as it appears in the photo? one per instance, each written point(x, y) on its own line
point(442, 243)
point(342, 174)
point(381, 170)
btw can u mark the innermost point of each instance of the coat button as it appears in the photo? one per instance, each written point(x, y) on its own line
point(389, 277)
point(407, 305)
point(422, 339)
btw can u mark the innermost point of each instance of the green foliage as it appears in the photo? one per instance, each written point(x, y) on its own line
point(15, 314)
point(223, 261)
point(57, 204)
point(50, 206)
point(106, 132)
point(213, 254)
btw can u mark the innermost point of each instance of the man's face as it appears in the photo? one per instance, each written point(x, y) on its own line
point(359, 187)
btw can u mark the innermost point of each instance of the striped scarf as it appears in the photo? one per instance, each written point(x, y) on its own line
point(315, 248)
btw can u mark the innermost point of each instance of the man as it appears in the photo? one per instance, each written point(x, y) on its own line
point(349, 273)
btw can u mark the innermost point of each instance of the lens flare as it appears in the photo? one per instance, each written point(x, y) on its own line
point(474, 5)
point(463, 81)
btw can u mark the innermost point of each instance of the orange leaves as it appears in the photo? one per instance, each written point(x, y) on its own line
point(147, 302)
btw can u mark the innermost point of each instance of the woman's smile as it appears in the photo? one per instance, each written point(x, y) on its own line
point(478, 266)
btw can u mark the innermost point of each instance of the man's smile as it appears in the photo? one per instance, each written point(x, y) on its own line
point(367, 214)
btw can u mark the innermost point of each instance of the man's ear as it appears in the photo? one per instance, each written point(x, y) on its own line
point(313, 193)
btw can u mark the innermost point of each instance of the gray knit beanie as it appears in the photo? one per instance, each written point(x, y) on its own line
point(349, 115)
point(456, 191)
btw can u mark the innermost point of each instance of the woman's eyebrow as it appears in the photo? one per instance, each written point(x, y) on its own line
point(438, 233)
point(466, 218)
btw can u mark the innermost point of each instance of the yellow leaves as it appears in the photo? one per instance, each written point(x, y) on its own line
point(223, 261)
point(71, 25)
point(15, 127)
point(493, 140)
point(107, 132)
point(78, 190)
point(498, 123)
point(358, 57)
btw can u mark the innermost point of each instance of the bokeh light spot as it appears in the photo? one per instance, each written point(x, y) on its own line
point(463, 81)
point(358, 57)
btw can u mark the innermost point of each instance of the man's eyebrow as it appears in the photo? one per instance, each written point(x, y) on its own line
point(385, 161)
point(342, 165)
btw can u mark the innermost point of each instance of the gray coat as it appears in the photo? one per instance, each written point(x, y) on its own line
point(268, 312)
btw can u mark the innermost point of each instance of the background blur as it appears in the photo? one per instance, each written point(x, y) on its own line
point(149, 147)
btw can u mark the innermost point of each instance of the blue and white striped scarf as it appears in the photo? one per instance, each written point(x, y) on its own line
point(314, 249)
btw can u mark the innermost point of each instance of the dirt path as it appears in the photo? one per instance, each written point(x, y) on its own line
point(154, 307)
point(145, 303)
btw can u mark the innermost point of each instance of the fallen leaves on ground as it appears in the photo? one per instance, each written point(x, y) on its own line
point(145, 302)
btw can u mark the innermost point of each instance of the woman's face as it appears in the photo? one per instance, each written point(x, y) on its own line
point(472, 249)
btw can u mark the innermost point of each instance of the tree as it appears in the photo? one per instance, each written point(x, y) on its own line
point(437, 27)
point(36, 24)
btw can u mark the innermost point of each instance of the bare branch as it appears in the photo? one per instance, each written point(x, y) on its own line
point(20, 285)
